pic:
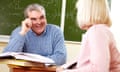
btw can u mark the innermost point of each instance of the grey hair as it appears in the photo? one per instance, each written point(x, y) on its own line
point(34, 7)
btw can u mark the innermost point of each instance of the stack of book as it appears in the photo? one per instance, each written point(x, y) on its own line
point(25, 59)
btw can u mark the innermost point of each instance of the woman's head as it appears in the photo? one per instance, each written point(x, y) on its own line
point(90, 12)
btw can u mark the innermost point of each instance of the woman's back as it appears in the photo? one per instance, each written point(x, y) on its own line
point(98, 51)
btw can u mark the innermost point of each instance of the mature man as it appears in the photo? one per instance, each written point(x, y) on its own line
point(36, 36)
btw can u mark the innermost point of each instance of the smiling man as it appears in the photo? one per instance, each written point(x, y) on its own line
point(36, 36)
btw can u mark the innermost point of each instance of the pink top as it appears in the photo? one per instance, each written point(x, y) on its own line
point(98, 51)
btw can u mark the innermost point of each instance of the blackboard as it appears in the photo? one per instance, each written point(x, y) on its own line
point(71, 31)
point(11, 15)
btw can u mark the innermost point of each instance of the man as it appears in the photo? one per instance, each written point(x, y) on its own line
point(36, 36)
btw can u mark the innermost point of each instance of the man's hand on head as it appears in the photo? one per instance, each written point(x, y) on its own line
point(26, 26)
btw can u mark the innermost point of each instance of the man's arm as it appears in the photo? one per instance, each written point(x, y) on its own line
point(17, 38)
point(16, 42)
point(59, 53)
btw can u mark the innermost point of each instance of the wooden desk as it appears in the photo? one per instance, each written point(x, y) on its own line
point(27, 66)
point(15, 68)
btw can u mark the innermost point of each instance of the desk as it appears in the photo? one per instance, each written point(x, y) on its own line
point(15, 68)
point(27, 66)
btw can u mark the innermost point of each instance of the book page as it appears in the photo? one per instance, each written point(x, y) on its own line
point(7, 55)
point(34, 58)
point(28, 57)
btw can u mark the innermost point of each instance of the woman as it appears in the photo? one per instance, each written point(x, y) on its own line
point(98, 51)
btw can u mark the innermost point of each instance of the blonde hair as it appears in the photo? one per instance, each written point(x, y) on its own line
point(91, 12)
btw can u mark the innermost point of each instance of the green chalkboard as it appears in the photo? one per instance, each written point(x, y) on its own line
point(71, 31)
point(11, 15)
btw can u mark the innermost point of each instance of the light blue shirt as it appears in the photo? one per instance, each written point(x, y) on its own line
point(50, 43)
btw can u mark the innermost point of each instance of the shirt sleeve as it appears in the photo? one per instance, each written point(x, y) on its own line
point(59, 52)
point(16, 42)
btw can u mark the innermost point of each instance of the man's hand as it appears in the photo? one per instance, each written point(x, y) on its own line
point(26, 26)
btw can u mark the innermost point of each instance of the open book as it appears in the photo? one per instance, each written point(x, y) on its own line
point(70, 65)
point(27, 57)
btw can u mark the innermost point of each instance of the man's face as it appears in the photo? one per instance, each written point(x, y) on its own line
point(38, 21)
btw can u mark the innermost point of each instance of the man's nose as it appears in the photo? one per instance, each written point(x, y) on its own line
point(38, 21)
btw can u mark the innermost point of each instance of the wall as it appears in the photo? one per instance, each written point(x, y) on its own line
point(115, 14)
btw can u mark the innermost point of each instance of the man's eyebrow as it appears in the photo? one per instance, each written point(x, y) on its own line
point(42, 16)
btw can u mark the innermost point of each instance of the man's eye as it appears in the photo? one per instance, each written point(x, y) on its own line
point(33, 18)
point(41, 17)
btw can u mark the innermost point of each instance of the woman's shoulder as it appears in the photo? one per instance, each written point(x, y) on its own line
point(99, 28)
